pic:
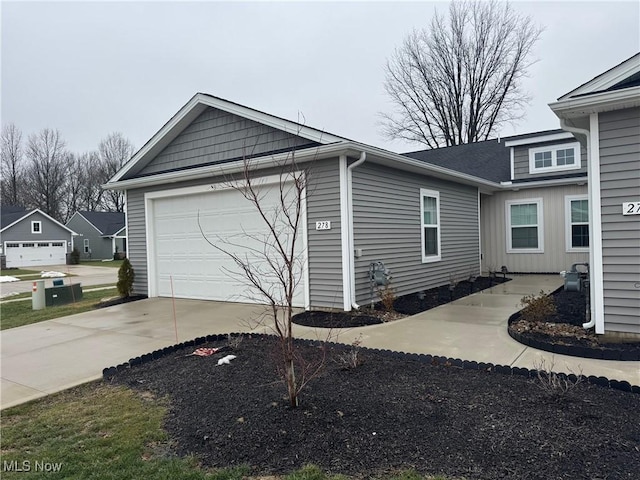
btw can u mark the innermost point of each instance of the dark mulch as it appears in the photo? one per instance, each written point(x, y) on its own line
point(564, 328)
point(392, 412)
point(120, 300)
point(405, 305)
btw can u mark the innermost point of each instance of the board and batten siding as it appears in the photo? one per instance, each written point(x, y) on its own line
point(521, 161)
point(494, 229)
point(324, 247)
point(620, 182)
point(387, 227)
point(217, 136)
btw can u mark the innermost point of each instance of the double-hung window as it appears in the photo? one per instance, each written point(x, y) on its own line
point(430, 220)
point(86, 246)
point(36, 226)
point(525, 226)
point(577, 223)
point(554, 158)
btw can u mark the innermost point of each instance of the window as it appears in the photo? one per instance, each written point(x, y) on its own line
point(43, 245)
point(554, 158)
point(13, 245)
point(36, 226)
point(28, 245)
point(86, 245)
point(430, 220)
point(524, 221)
point(577, 223)
point(57, 244)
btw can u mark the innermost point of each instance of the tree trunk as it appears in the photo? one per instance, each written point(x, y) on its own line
point(291, 383)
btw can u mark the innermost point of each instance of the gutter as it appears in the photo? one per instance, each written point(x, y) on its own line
point(352, 259)
point(587, 134)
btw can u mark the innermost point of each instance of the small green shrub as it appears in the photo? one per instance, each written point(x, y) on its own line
point(125, 278)
point(74, 257)
point(537, 308)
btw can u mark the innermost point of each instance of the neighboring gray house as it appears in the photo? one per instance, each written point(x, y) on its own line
point(100, 234)
point(31, 238)
point(363, 205)
point(604, 114)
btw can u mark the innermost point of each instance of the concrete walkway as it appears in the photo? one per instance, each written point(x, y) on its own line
point(50, 356)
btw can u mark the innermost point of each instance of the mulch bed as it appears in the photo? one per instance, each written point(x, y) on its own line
point(405, 305)
point(392, 412)
point(563, 332)
point(120, 300)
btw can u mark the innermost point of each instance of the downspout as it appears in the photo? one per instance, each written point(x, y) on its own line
point(582, 131)
point(352, 260)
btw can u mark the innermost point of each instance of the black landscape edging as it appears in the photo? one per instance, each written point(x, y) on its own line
point(624, 386)
point(571, 350)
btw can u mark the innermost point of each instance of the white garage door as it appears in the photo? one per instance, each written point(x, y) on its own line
point(33, 254)
point(185, 264)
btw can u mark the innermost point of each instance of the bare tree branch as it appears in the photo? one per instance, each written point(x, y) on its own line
point(461, 79)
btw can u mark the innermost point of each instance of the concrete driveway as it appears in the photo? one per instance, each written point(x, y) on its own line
point(50, 356)
point(84, 274)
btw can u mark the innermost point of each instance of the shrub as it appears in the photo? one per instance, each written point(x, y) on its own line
point(125, 278)
point(74, 257)
point(387, 297)
point(351, 358)
point(537, 308)
point(553, 384)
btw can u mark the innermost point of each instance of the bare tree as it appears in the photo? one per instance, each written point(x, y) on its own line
point(46, 172)
point(461, 79)
point(94, 176)
point(271, 264)
point(115, 150)
point(11, 165)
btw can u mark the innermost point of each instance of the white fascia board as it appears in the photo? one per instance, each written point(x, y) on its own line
point(542, 138)
point(598, 102)
point(543, 183)
point(341, 148)
point(608, 79)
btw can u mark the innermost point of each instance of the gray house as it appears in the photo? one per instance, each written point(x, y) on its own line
point(604, 115)
point(100, 234)
point(529, 202)
point(31, 238)
point(363, 205)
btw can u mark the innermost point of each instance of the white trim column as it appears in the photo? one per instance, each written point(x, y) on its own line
point(595, 227)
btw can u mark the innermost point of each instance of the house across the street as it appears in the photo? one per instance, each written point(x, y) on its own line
point(31, 238)
point(539, 202)
point(101, 235)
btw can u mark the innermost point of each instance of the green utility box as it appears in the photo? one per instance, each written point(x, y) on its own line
point(63, 294)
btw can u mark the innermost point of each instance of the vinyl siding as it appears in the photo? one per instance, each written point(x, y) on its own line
point(521, 161)
point(217, 136)
point(21, 231)
point(324, 247)
point(387, 227)
point(620, 182)
point(100, 247)
point(555, 258)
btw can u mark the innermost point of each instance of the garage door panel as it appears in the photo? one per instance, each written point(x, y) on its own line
point(34, 254)
point(199, 270)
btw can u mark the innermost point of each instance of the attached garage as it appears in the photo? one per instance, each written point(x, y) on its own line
point(183, 263)
point(33, 254)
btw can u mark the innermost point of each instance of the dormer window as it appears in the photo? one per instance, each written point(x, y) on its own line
point(554, 158)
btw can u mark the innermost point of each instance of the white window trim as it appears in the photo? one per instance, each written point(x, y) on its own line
point(33, 224)
point(430, 193)
point(567, 223)
point(554, 150)
point(507, 210)
point(85, 246)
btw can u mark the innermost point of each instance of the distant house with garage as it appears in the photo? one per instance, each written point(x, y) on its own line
point(101, 235)
point(524, 202)
point(31, 238)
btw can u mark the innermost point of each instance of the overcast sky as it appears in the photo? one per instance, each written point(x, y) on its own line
point(91, 68)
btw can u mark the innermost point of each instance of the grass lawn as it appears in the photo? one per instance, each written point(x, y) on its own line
point(28, 294)
point(18, 272)
point(98, 263)
point(100, 431)
point(17, 314)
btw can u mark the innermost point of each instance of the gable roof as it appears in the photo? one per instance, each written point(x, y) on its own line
point(18, 216)
point(107, 223)
point(490, 159)
point(617, 88)
point(194, 107)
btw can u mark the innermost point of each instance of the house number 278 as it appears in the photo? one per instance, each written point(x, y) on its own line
point(631, 208)
point(323, 225)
